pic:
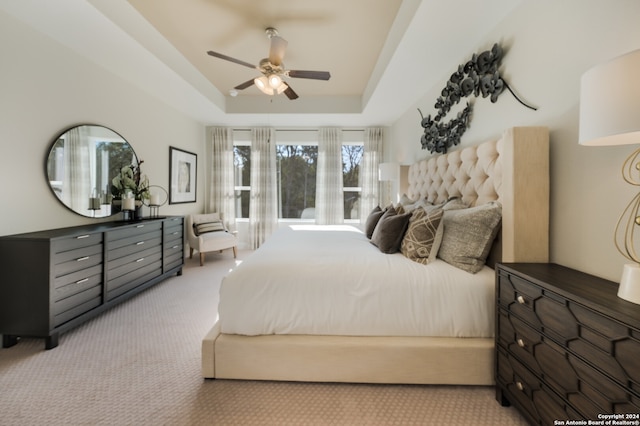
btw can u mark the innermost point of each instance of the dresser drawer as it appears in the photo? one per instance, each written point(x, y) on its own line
point(132, 245)
point(599, 393)
point(91, 277)
point(173, 238)
point(540, 404)
point(124, 264)
point(174, 221)
point(518, 338)
point(131, 267)
point(148, 269)
point(133, 230)
point(76, 300)
point(78, 276)
point(76, 260)
point(174, 227)
point(173, 256)
point(77, 241)
point(519, 297)
point(94, 300)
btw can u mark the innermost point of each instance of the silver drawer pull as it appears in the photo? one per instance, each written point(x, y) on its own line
point(521, 300)
point(521, 343)
point(175, 233)
point(79, 237)
point(139, 226)
point(80, 259)
point(140, 260)
point(84, 280)
point(520, 386)
point(139, 243)
point(175, 247)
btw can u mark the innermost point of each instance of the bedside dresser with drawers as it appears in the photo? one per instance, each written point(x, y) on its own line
point(567, 348)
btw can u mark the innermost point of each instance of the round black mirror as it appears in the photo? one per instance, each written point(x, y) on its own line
point(81, 165)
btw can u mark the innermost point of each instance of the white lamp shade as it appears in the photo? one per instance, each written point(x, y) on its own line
point(610, 102)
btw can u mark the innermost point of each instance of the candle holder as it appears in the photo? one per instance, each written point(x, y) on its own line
point(155, 201)
point(128, 208)
point(94, 204)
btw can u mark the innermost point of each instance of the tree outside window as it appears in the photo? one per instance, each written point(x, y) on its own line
point(296, 179)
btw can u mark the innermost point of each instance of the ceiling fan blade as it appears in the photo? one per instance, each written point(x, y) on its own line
point(290, 93)
point(229, 58)
point(276, 51)
point(314, 75)
point(244, 85)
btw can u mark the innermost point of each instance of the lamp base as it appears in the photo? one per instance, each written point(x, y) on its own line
point(630, 283)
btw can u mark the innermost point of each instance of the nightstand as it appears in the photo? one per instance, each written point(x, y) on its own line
point(567, 348)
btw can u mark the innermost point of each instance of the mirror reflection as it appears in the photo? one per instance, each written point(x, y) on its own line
point(81, 165)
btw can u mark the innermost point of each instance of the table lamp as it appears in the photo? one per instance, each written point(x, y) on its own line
point(610, 115)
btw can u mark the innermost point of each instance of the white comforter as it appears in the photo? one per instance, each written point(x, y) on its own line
point(330, 280)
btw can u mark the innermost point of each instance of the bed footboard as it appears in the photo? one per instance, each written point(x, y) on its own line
point(412, 360)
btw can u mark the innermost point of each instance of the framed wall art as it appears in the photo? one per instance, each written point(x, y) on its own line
point(182, 176)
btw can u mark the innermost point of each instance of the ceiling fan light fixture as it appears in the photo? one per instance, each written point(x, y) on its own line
point(275, 81)
point(263, 84)
point(270, 86)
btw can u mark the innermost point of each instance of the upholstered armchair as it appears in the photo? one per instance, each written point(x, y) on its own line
point(206, 233)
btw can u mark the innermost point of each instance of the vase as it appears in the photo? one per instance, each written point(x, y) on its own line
point(116, 206)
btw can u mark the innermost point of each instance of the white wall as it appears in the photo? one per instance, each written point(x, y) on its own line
point(45, 88)
point(548, 45)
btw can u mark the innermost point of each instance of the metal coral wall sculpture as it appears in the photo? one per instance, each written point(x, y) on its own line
point(479, 76)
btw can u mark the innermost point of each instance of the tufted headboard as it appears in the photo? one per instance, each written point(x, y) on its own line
point(513, 170)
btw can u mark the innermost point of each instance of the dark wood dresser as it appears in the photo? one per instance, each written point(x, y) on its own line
point(567, 348)
point(51, 281)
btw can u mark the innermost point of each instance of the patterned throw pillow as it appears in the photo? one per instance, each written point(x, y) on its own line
point(204, 227)
point(468, 235)
point(418, 241)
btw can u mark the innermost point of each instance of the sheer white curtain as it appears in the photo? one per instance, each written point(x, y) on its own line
point(221, 192)
point(77, 185)
point(263, 204)
point(329, 193)
point(369, 196)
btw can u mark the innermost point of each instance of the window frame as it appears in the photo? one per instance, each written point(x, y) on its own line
point(242, 137)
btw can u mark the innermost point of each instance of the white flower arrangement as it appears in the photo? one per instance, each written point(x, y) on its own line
point(131, 180)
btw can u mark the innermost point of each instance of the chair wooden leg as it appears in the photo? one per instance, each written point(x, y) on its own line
point(235, 252)
point(201, 259)
point(190, 252)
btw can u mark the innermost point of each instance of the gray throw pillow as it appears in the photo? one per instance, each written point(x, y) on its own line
point(468, 235)
point(389, 231)
point(372, 221)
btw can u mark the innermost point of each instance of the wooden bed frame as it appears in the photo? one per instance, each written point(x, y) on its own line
point(518, 171)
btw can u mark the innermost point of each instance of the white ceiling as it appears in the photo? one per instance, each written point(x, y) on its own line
point(383, 55)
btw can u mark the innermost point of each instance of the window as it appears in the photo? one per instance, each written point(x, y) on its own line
point(351, 158)
point(242, 177)
point(296, 175)
point(296, 161)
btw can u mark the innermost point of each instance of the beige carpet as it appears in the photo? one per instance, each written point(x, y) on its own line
point(139, 364)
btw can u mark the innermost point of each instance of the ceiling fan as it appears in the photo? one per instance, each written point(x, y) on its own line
point(273, 70)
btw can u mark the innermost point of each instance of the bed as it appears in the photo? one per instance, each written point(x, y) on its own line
point(372, 330)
